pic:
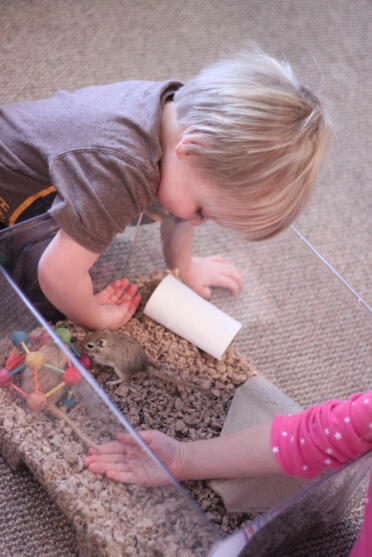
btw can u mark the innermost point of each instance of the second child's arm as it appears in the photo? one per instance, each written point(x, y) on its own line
point(235, 455)
point(64, 278)
point(241, 454)
point(303, 444)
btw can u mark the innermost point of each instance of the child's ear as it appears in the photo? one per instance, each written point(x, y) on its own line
point(184, 142)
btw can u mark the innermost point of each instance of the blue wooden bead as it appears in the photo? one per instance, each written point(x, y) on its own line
point(17, 337)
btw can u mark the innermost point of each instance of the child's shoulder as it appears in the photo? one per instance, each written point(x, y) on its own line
point(93, 100)
point(124, 90)
point(124, 97)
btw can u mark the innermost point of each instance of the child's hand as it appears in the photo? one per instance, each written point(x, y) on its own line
point(204, 272)
point(120, 301)
point(125, 461)
point(64, 277)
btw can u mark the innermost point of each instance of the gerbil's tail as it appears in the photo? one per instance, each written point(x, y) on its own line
point(177, 381)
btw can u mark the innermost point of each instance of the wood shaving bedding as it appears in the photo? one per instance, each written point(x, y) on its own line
point(115, 519)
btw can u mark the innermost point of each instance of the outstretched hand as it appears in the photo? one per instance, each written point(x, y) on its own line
point(125, 461)
point(120, 301)
point(204, 272)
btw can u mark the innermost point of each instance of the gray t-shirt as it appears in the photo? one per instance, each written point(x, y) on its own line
point(98, 146)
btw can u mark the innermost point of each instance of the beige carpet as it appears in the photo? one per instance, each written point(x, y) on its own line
point(302, 328)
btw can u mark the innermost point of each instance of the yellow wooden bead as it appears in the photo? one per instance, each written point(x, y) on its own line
point(34, 360)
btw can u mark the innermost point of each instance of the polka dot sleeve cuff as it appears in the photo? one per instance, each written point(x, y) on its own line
point(323, 436)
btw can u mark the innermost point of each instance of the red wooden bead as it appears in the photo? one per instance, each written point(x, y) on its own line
point(72, 376)
point(36, 401)
point(5, 378)
point(85, 361)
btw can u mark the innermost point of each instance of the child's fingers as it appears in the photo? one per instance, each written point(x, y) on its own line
point(128, 295)
point(116, 446)
point(127, 477)
point(124, 282)
point(102, 467)
point(135, 476)
point(204, 291)
point(225, 264)
point(231, 282)
point(128, 439)
point(129, 309)
point(119, 286)
point(112, 295)
point(219, 259)
point(134, 304)
point(97, 468)
point(117, 289)
point(104, 459)
point(233, 272)
point(223, 279)
point(229, 277)
point(109, 447)
point(113, 291)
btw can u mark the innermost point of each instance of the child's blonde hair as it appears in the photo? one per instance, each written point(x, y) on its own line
point(259, 135)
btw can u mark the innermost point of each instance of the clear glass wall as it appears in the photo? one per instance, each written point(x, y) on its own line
point(52, 410)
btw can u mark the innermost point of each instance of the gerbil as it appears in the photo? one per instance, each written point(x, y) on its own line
point(126, 356)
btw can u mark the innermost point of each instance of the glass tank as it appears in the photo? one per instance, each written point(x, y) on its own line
point(310, 511)
point(295, 312)
point(53, 410)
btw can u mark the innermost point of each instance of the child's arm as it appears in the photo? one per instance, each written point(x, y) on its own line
point(324, 435)
point(303, 444)
point(64, 278)
point(199, 273)
point(241, 454)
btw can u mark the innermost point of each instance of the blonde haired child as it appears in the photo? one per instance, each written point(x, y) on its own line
point(241, 143)
point(259, 135)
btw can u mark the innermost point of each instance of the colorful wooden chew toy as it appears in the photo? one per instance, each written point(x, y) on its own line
point(25, 352)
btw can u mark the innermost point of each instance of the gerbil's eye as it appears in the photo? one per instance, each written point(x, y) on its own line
point(89, 345)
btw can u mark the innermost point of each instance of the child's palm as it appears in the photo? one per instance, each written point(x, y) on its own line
point(125, 461)
point(120, 302)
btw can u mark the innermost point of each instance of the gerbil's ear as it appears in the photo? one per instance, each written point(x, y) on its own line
point(101, 343)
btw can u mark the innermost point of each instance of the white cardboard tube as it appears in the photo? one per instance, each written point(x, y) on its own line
point(178, 308)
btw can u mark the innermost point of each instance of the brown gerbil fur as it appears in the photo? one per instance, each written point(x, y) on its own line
point(126, 356)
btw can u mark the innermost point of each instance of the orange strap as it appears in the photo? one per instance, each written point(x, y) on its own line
point(27, 202)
